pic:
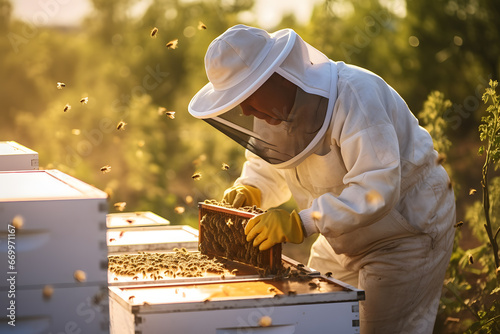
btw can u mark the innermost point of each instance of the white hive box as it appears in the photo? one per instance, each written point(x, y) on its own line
point(64, 230)
point(235, 305)
point(14, 156)
point(131, 232)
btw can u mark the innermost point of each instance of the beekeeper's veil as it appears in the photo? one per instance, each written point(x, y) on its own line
point(238, 62)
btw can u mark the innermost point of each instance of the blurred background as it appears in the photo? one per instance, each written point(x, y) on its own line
point(103, 50)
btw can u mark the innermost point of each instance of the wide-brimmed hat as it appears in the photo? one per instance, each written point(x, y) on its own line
point(237, 63)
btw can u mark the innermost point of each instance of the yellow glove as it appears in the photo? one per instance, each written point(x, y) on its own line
point(273, 227)
point(239, 196)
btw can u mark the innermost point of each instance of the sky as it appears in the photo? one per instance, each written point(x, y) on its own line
point(70, 12)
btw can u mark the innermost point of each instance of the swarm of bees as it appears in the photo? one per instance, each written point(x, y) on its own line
point(157, 266)
point(224, 234)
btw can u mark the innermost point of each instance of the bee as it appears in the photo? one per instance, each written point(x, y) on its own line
point(112, 239)
point(170, 114)
point(440, 159)
point(121, 125)
point(47, 292)
point(67, 107)
point(196, 176)
point(459, 224)
point(179, 209)
point(471, 259)
point(265, 321)
point(234, 271)
point(300, 265)
point(80, 275)
point(373, 197)
point(328, 274)
point(121, 234)
point(60, 85)
point(84, 100)
point(201, 26)
point(115, 279)
point(229, 222)
point(172, 44)
point(206, 300)
point(18, 221)
point(313, 285)
point(131, 297)
point(130, 221)
point(292, 293)
point(189, 199)
point(271, 289)
point(106, 169)
point(316, 215)
point(154, 32)
point(472, 191)
point(225, 166)
point(120, 206)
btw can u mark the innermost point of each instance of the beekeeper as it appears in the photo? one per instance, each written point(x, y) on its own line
point(362, 171)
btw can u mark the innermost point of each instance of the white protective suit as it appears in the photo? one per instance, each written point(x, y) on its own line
point(395, 244)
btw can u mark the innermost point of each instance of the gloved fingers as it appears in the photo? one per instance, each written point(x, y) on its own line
point(259, 239)
point(266, 244)
point(238, 199)
point(253, 228)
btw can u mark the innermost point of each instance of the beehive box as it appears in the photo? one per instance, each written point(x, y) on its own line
point(222, 233)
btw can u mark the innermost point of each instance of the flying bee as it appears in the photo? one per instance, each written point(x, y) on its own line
point(459, 224)
point(229, 222)
point(471, 259)
point(472, 191)
point(189, 199)
point(106, 169)
point(84, 100)
point(67, 107)
point(179, 209)
point(201, 26)
point(61, 85)
point(440, 159)
point(47, 292)
point(154, 32)
point(120, 206)
point(196, 176)
point(170, 114)
point(225, 166)
point(18, 221)
point(373, 197)
point(80, 275)
point(316, 215)
point(121, 125)
point(172, 44)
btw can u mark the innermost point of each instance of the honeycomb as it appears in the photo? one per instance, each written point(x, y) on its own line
point(222, 233)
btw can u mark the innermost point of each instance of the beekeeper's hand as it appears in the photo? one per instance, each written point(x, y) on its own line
point(273, 227)
point(242, 195)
